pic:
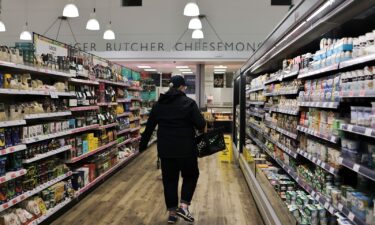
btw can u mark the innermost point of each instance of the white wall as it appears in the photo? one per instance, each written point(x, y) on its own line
point(156, 20)
point(220, 95)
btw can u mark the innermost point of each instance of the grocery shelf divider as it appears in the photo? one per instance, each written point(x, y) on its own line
point(255, 89)
point(255, 114)
point(90, 153)
point(12, 175)
point(11, 123)
point(357, 61)
point(47, 154)
point(357, 94)
point(108, 126)
point(326, 105)
point(125, 142)
point(358, 168)
point(81, 81)
point(13, 149)
point(124, 131)
point(289, 112)
point(84, 108)
point(318, 162)
point(292, 92)
point(123, 114)
point(122, 84)
point(365, 131)
point(313, 73)
point(330, 138)
point(281, 130)
point(47, 115)
point(35, 69)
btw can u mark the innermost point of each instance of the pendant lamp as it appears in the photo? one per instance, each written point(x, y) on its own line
point(93, 23)
point(191, 9)
point(25, 34)
point(109, 34)
point(70, 10)
point(197, 34)
point(195, 24)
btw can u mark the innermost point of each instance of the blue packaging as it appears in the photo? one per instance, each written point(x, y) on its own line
point(85, 146)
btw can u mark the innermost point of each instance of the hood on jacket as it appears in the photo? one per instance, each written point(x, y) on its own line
point(170, 96)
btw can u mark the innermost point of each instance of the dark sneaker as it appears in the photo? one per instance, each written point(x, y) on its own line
point(172, 219)
point(185, 214)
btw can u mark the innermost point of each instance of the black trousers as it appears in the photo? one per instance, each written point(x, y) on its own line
point(171, 168)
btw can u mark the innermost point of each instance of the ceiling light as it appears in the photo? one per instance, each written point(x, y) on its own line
point(25, 34)
point(187, 72)
point(70, 10)
point(197, 34)
point(182, 67)
point(191, 9)
point(150, 70)
point(109, 34)
point(144, 67)
point(93, 23)
point(220, 67)
point(195, 23)
point(2, 26)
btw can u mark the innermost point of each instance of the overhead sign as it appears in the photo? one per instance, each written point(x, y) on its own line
point(45, 45)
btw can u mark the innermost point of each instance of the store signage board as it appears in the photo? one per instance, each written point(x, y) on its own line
point(45, 45)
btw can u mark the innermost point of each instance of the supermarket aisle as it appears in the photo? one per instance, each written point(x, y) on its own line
point(134, 196)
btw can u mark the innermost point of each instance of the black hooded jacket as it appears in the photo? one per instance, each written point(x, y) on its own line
point(177, 117)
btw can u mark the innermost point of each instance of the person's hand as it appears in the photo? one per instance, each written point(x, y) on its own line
point(205, 129)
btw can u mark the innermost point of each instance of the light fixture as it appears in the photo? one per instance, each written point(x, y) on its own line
point(187, 72)
point(191, 9)
point(220, 67)
point(150, 70)
point(182, 67)
point(220, 70)
point(25, 34)
point(2, 26)
point(109, 34)
point(93, 23)
point(144, 67)
point(323, 7)
point(70, 10)
point(197, 34)
point(195, 24)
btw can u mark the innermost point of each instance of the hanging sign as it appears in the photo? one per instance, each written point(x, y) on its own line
point(218, 80)
point(45, 45)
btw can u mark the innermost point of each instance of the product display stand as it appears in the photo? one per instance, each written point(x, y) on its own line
point(308, 147)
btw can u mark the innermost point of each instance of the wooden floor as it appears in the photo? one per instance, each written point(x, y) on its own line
point(134, 196)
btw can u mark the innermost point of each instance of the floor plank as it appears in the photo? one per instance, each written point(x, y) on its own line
point(134, 196)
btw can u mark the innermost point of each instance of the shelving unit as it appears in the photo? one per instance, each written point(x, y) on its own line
point(317, 111)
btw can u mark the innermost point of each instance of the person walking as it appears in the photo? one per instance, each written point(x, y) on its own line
point(177, 117)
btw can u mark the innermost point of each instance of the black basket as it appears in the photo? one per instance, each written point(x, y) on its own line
point(210, 143)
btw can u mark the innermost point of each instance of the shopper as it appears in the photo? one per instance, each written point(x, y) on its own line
point(177, 117)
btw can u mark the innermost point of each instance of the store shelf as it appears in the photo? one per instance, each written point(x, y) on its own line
point(82, 129)
point(134, 108)
point(256, 102)
point(123, 100)
point(47, 115)
point(48, 154)
point(81, 81)
point(137, 139)
point(144, 122)
point(292, 92)
point(123, 114)
point(358, 168)
point(318, 162)
point(84, 108)
point(135, 129)
point(357, 61)
point(124, 131)
point(12, 149)
point(53, 94)
point(134, 119)
point(35, 69)
point(270, 81)
point(51, 211)
point(287, 150)
point(357, 94)
point(255, 114)
point(28, 194)
point(344, 210)
point(107, 103)
point(122, 84)
point(289, 112)
point(281, 130)
point(12, 175)
point(331, 138)
point(104, 175)
point(107, 126)
point(365, 131)
point(125, 142)
point(256, 127)
point(290, 74)
point(46, 137)
point(255, 89)
point(93, 152)
point(327, 105)
point(12, 123)
point(314, 73)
